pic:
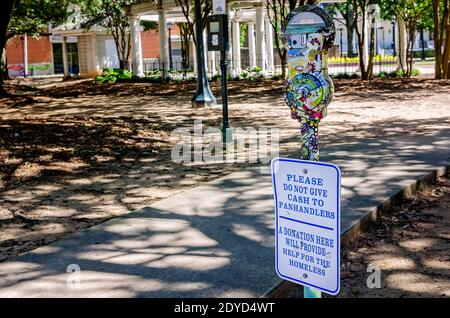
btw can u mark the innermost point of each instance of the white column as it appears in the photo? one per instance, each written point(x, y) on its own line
point(136, 47)
point(230, 46)
point(401, 44)
point(251, 44)
point(217, 63)
point(260, 43)
point(269, 45)
point(95, 68)
point(366, 38)
point(236, 48)
point(163, 43)
point(193, 55)
point(205, 50)
point(65, 67)
point(64, 56)
point(212, 62)
point(25, 55)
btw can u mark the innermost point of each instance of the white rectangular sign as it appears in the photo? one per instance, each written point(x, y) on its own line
point(307, 217)
point(219, 7)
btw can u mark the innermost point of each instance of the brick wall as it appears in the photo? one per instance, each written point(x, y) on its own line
point(150, 42)
point(39, 50)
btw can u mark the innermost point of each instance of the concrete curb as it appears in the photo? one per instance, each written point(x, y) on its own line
point(281, 289)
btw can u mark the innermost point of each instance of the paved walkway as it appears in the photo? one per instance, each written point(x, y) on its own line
point(217, 240)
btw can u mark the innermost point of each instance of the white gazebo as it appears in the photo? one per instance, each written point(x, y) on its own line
point(260, 33)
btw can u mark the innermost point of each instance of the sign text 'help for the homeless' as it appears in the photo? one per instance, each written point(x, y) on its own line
point(307, 211)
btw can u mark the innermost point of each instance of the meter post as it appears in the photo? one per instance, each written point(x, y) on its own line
point(307, 33)
point(226, 137)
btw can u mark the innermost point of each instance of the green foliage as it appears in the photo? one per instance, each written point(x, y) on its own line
point(243, 27)
point(112, 75)
point(33, 16)
point(345, 76)
point(277, 77)
point(111, 15)
point(402, 73)
point(398, 73)
point(376, 58)
point(41, 67)
point(256, 69)
point(149, 25)
point(408, 10)
point(428, 53)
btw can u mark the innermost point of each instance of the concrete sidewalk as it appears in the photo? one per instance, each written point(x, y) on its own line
point(216, 240)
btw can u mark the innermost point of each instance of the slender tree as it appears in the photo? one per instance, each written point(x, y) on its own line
point(441, 37)
point(411, 12)
point(31, 17)
point(110, 14)
point(347, 11)
point(185, 35)
point(364, 9)
point(187, 7)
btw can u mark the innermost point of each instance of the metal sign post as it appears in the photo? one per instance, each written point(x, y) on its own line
point(308, 32)
point(218, 40)
point(307, 224)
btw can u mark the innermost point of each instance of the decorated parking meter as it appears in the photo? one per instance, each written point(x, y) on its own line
point(308, 32)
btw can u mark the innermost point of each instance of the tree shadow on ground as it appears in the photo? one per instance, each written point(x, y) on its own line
point(219, 240)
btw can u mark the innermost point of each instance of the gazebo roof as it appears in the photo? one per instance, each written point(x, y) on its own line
point(149, 10)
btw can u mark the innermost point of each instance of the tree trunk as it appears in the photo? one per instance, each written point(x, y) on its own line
point(402, 49)
point(445, 24)
point(446, 54)
point(371, 54)
point(437, 41)
point(283, 66)
point(5, 17)
point(361, 44)
point(410, 49)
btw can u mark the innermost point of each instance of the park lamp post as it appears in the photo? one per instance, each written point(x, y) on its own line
point(340, 40)
point(169, 27)
point(203, 95)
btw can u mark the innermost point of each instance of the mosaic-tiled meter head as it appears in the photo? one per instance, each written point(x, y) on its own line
point(308, 32)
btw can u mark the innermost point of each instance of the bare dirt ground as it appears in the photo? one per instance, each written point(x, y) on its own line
point(73, 154)
point(410, 245)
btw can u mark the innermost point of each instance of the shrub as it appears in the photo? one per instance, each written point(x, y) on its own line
point(256, 69)
point(428, 53)
point(111, 75)
point(276, 77)
point(415, 72)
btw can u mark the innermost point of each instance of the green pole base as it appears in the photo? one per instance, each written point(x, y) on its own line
point(227, 135)
point(309, 292)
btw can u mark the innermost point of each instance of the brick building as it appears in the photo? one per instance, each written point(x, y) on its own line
point(88, 52)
